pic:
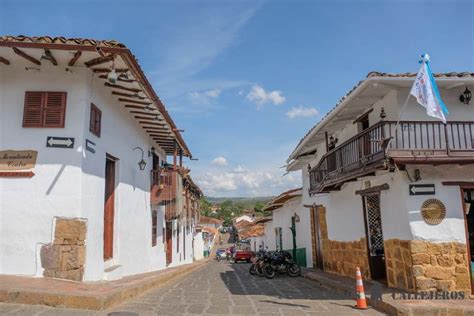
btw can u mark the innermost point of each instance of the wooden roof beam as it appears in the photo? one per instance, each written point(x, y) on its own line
point(26, 56)
point(4, 61)
point(151, 123)
point(99, 60)
point(50, 57)
point(74, 59)
point(116, 86)
point(119, 79)
point(107, 70)
point(128, 95)
point(134, 101)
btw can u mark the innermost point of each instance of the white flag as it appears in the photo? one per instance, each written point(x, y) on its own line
point(426, 92)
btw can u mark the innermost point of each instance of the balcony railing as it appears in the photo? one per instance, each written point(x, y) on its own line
point(385, 142)
point(164, 190)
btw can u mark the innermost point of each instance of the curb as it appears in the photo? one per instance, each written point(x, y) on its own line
point(94, 301)
point(383, 306)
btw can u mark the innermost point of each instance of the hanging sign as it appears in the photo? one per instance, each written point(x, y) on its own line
point(16, 174)
point(422, 189)
point(90, 146)
point(17, 159)
point(60, 142)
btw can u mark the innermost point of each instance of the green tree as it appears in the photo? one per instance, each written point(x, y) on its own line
point(205, 207)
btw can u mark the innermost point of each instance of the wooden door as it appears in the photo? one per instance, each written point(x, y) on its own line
point(374, 236)
point(169, 243)
point(316, 239)
point(467, 195)
point(109, 208)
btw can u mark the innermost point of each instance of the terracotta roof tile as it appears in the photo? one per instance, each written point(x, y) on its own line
point(62, 40)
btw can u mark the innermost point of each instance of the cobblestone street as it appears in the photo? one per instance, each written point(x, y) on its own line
point(221, 288)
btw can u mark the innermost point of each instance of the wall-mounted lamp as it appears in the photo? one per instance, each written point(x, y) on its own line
point(112, 76)
point(466, 96)
point(142, 162)
point(151, 152)
point(332, 140)
point(297, 218)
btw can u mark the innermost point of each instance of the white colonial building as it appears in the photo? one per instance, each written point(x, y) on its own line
point(86, 192)
point(289, 227)
point(393, 199)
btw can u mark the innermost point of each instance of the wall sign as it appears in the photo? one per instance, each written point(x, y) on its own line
point(90, 146)
point(433, 211)
point(17, 159)
point(422, 189)
point(60, 142)
point(16, 174)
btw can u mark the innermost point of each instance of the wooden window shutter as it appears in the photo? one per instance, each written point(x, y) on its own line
point(95, 120)
point(54, 109)
point(33, 112)
point(44, 109)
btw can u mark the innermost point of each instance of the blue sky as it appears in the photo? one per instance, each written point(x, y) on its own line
point(247, 79)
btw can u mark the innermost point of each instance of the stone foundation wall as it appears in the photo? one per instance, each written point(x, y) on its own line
point(65, 257)
point(417, 265)
point(440, 266)
point(398, 264)
point(342, 257)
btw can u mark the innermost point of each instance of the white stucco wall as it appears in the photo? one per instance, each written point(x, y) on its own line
point(70, 182)
point(198, 246)
point(401, 216)
point(282, 218)
point(28, 205)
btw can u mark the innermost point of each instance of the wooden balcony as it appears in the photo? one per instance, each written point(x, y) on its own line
point(385, 144)
point(164, 190)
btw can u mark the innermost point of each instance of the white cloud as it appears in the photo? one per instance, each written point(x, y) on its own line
point(206, 97)
point(244, 182)
point(214, 93)
point(219, 161)
point(259, 96)
point(301, 111)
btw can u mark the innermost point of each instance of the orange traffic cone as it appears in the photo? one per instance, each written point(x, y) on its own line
point(361, 302)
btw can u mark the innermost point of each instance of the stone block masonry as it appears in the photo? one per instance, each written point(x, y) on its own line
point(342, 257)
point(65, 257)
point(419, 265)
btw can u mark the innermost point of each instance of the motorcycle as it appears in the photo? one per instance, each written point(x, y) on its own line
point(281, 262)
point(258, 262)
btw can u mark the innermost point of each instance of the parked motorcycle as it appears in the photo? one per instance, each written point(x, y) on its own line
point(281, 262)
point(260, 260)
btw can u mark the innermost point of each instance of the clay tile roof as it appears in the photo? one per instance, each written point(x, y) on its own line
point(210, 230)
point(377, 74)
point(280, 200)
point(62, 40)
point(209, 220)
point(255, 230)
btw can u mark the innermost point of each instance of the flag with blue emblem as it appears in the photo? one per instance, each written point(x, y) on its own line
point(426, 92)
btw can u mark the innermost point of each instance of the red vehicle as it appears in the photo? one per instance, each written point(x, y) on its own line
point(243, 255)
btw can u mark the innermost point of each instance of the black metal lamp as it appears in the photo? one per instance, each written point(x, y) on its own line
point(466, 96)
point(151, 152)
point(142, 162)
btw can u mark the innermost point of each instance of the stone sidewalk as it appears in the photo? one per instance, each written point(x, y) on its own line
point(385, 299)
point(220, 288)
point(86, 295)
